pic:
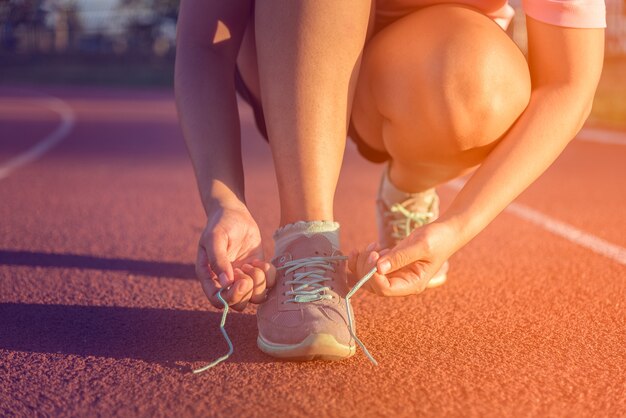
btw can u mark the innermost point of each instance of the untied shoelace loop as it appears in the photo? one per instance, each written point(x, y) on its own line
point(314, 279)
point(224, 333)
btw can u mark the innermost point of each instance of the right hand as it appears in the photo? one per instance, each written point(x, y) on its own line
point(230, 256)
point(406, 268)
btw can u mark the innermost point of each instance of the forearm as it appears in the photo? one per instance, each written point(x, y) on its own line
point(207, 108)
point(207, 43)
point(553, 117)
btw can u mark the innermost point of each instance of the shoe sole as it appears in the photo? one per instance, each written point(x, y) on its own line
point(314, 347)
point(440, 277)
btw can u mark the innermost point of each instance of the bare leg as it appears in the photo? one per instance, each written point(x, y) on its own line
point(438, 100)
point(247, 62)
point(308, 55)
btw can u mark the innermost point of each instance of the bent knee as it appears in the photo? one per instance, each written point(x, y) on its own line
point(486, 105)
point(465, 87)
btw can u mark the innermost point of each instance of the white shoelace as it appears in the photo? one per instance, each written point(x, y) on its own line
point(403, 226)
point(309, 286)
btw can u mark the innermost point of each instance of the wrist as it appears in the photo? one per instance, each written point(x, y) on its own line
point(456, 230)
point(220, 197)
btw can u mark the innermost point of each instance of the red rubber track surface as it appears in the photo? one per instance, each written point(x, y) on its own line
point(100, 313)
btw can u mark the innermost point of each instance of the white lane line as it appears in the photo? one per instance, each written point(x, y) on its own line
point(68, 119)
point(602, 136)
point(569, 232)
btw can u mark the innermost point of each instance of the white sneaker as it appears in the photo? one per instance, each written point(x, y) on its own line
point(399, 213)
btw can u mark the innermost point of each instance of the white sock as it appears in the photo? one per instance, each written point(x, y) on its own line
point(285, 235)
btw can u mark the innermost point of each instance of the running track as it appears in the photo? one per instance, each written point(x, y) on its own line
point(100, 313)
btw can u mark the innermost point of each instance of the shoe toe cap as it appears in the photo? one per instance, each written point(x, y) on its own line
point(294, 326)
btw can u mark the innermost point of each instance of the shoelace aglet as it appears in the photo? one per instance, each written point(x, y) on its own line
point(224, 333)
point(361, 282)
point(356, 287)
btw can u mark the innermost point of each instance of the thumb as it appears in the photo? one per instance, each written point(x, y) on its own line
point(218, 259)
point(396, 258)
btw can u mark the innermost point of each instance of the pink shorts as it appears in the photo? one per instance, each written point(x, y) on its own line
point(566, 13)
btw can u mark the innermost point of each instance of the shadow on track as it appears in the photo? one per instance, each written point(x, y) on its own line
point(171, 338)
point(139, 267)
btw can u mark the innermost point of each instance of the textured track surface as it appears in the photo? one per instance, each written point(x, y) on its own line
point(100, 313)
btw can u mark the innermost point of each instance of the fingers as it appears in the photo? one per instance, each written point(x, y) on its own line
point(395, 286)
point(216, 247)
point(398, 257)
point(213, 268)
point(269, 270)
point(378, 284)
point(409, 280)
point(408, 277)
point(250, 284)
point(210, 290)
point(258, 281)
point(366, 259)
point(361, 262)
point(262, 275)
point(239, 293)
point(207, 278)
point(405, 285)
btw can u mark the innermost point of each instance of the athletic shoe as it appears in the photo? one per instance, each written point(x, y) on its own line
point(396, 220)
point(305, 316)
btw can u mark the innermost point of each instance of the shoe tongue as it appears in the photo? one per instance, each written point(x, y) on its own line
point(316, 245)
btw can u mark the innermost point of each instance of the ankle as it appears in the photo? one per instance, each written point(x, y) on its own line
point(288, 233)
point(391, 193)
point(408, 178)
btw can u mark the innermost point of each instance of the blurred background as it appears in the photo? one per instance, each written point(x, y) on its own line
point(132, 43)
point(111, 42)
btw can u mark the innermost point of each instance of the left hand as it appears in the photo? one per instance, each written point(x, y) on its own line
point(406, 268)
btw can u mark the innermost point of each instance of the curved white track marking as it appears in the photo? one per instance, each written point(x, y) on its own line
point(569, 232)
point(68, 119)
point(602, 136)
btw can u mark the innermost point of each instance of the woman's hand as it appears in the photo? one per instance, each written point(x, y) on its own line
point(230, 255)
point(406, 268)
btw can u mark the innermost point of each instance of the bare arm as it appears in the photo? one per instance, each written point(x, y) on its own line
point(230, 254)
point(565, 66)
point(208, 40)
